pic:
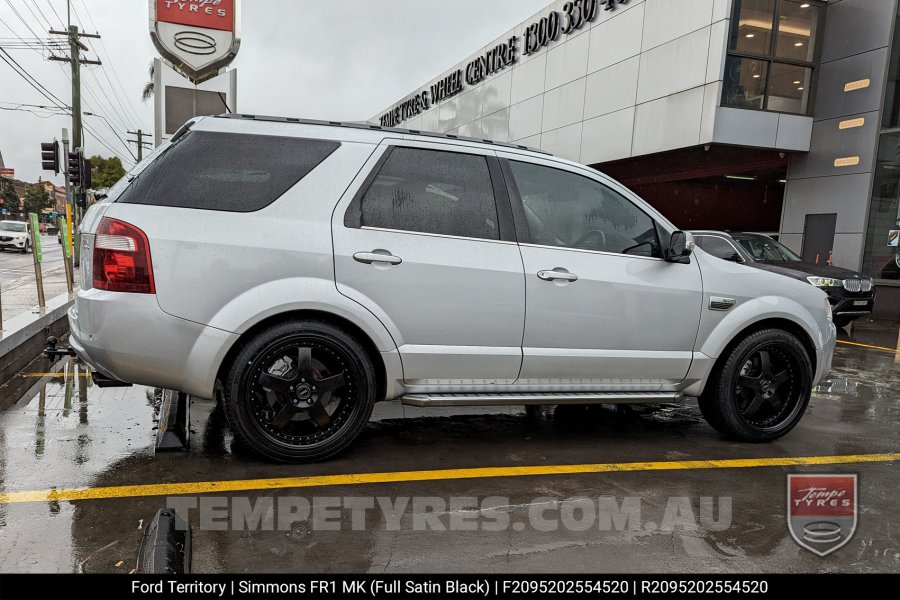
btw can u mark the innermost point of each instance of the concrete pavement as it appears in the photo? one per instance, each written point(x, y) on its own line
point(59, 432)
point(18, 292)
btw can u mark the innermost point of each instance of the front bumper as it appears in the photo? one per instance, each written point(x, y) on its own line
point(12, 243)
point(825, 355)
point(845, 303)
point(128, 337)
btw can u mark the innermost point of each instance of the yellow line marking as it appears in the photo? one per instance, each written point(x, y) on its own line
point(885, 348)
point(316, 481)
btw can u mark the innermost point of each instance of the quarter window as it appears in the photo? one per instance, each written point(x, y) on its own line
point(570, 211)
point(430, 191)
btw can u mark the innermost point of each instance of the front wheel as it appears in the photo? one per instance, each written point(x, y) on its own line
point(762, 389)
point(300, 391)
point(842, 321)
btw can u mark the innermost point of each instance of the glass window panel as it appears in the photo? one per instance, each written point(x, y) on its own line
point(892, 96)
point(789, 88)
point(797, 26)
point(882, 255)
point(753, 32)
point(432, 191)
point(745, 82)
point(571, 211)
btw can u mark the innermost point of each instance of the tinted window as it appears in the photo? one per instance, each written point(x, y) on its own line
point(766, 249)
point(571, 211)
point(430, 191)
point(719, 248)
point(226, 171)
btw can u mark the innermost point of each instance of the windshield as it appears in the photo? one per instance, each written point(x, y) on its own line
point(12, 226)
point(765, 249)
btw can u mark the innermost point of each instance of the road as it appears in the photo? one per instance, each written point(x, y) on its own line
point(18, 292)
point(91, 445)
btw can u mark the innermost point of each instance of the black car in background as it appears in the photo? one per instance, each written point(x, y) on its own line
point(851, 294)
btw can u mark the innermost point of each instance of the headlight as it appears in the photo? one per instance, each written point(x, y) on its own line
point(828, 309)
point(825, 282)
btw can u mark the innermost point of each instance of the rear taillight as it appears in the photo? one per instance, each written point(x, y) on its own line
point(122, 258)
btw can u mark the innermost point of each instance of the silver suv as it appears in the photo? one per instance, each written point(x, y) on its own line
point(308, 270)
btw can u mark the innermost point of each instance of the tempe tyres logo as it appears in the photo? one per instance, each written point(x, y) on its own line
point(822, 511)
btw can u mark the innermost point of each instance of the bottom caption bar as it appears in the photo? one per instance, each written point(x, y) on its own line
point(792, 587)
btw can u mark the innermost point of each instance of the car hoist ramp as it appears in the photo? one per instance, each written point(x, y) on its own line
point(532, 398)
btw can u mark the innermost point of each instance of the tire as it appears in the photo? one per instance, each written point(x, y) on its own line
point(841, 322)
point(761, 389)
point(284, 380)
point(25, 249)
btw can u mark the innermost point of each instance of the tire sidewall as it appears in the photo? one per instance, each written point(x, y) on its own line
point(237, 393)
point(728, 416)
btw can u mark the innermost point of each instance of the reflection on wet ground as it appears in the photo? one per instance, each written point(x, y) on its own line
point(59, 431)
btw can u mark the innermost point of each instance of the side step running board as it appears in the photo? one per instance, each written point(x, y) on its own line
point(504, 399)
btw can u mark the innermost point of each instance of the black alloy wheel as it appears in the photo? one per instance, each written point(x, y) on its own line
point(300, 391)
point(761, 389)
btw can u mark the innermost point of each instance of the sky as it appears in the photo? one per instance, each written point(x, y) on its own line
point(318, 59)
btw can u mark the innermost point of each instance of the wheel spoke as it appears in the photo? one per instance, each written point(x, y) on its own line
point(765, 364)
point(754, 405)
point(284, 416)
point(319, 415)
point(304, 362)
point(275, 383)
point(781, 377)
point(330, 384)
point(750, 383)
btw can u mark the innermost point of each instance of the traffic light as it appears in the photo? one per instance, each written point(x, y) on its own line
point(75, 168)
point(85, 173)
point(50, 157)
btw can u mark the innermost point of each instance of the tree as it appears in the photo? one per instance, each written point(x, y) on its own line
point(9, 196)
point(105, 171)
point(148, 87)
point(36, 199)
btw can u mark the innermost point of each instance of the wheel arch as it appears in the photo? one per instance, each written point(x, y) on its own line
point(311, 315)
point(782, 323)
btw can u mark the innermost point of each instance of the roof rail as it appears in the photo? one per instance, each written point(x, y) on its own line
point(371, 127)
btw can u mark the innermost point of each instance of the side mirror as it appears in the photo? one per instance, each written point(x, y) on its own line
point(681, 246)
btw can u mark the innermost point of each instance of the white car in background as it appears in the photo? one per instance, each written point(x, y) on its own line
point(15, 235)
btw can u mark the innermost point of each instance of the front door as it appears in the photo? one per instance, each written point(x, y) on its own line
point(603, 311)
point(420, 245)
point(818, 237)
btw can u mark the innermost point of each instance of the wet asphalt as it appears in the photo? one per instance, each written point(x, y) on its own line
point(62, 432)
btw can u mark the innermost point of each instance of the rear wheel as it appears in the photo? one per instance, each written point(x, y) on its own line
point(300, 391)
point(762, 389)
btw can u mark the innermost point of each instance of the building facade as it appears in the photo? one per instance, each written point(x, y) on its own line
point(779, 116)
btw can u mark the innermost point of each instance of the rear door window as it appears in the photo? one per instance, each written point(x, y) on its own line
point(226, 171)
point(430, 191)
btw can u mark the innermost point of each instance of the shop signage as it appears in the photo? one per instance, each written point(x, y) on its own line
point(198, 37)
point(574, 16)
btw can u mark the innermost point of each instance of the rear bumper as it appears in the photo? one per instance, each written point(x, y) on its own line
point(128, 337)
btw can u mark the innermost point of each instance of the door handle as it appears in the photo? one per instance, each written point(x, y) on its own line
point(376, 256)
point(557, 274)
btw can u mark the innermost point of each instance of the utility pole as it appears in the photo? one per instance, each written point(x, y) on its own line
point(140, 142)
point(75, 60)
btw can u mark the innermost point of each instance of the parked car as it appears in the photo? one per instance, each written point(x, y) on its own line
point(15, 235)
point(851, 294)
point(312, 269)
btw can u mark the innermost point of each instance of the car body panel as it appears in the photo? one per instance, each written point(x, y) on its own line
point(452, 317)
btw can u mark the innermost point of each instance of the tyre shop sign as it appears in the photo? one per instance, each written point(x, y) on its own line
point(574, 15)
point(198, 37)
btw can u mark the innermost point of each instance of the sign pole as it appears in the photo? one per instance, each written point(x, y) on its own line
point(67, 251)
point(38, 258)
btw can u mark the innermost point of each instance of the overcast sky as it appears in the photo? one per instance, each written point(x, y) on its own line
point(322, 59)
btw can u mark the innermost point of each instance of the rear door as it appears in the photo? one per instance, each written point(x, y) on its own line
point(603, 308)
point(425, 241)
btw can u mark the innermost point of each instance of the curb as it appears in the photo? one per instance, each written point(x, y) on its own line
point(24, 336)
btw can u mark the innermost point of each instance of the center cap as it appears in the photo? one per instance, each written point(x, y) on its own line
point(303, 392)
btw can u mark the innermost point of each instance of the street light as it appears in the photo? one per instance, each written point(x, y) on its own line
point(111, 128)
